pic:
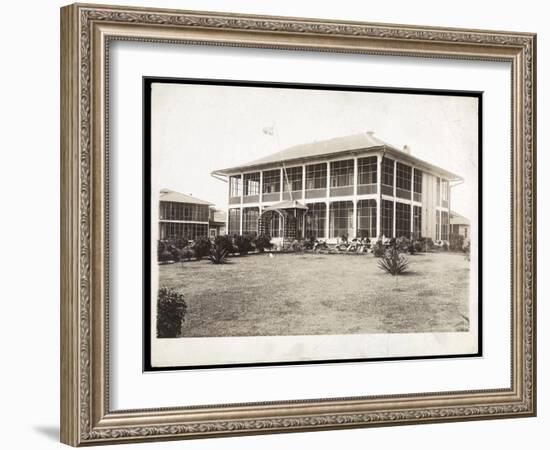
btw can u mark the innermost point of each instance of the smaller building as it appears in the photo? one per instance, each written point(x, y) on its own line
point(182, 216)
point(217, 222)
point(460, 225)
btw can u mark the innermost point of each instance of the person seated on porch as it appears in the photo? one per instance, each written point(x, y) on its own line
point(352, 247)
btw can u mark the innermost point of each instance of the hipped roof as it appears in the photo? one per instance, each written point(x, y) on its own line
point(167, 195)
point(335, 147)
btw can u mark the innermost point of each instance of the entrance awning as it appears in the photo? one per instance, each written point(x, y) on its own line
point(287, 204)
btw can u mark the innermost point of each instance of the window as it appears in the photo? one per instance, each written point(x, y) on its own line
point(341, 219)
point(402, 220)
point(293, 178)
point(445, 193)
point(316, 176)
point(271, 181)
point(404, 175)
point(271, 221)
point(250, 220)
point(251, 183)
point(341, 173)
point(444, 226)
point(235, 186)
point(438, 189)
point(417, 181)
point(417, 222)
point(183, 211)
point(315, 220)
point(179, 230)
point(366, 218)
point(367, 170)
point(234, 221)
point(386, 218)
point(437, 225)
point(387, 171)
point(465, 232)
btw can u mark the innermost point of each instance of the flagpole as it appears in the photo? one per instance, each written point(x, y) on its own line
point(273, 132)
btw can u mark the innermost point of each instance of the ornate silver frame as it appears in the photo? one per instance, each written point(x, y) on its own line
point(86, 31)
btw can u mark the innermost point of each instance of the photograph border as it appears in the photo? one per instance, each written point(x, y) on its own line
point(147, 195)
point(86, 32)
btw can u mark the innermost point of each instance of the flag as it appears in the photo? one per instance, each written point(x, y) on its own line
point(268, 130)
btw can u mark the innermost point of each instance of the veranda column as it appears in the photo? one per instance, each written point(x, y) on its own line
point(304, 183)
point(355, 181)
point(282, 184)
point(241, 208)
point(412, 202)
point(228, 205)
point(327, 202)
point(379, 191)
point(394, 192)
point(261, 193)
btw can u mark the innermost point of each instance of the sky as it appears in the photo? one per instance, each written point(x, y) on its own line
point(197, 129)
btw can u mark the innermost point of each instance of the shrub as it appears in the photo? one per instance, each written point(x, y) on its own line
point(201, 247)
point(243, 243)
point(393, 263)
point(466, 248)
point(263, 242)
point(163, 253)
point(402, 244)
point(218, 253)
point(456, 242)
point(378, 249)
point(225, 242)
point(181, 242)
point(344, 238)
point(310, 243)
point(297, 246)
point(418, 245)
point(171, 309)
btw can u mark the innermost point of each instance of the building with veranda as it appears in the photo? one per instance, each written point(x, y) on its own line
point(182, 216)
point(350, 186)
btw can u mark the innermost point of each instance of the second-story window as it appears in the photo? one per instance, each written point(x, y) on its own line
point(341, 173)
point(316, 176)
point(387, 171)
point(293, 178)
point(235, 186)
point(251, 183)
point(417, 181)
point(366, 170)
point(404, 175)
point(444, 193)
point(271, 181)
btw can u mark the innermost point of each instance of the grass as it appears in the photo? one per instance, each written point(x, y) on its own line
point(303, 294)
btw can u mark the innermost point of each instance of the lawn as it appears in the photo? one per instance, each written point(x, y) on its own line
point(301, 294)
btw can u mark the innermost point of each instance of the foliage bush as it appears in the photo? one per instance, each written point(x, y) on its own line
point(419, 245)
point(456, 242)
point(466, 248)
point(171, 309)
point(201, 247)
point(297, 246)
point(393, 263)
point(378, 249)
point(218, 253)
point(402, 244)
point(263, 242)
point(225, 242)
point(243, 243)
point(163, 252)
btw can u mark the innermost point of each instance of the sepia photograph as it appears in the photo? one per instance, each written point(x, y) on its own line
point(296, 223)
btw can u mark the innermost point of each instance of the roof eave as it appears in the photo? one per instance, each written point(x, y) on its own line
point(302, 159)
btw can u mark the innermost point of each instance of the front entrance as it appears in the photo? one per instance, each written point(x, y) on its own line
point(284, 221)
